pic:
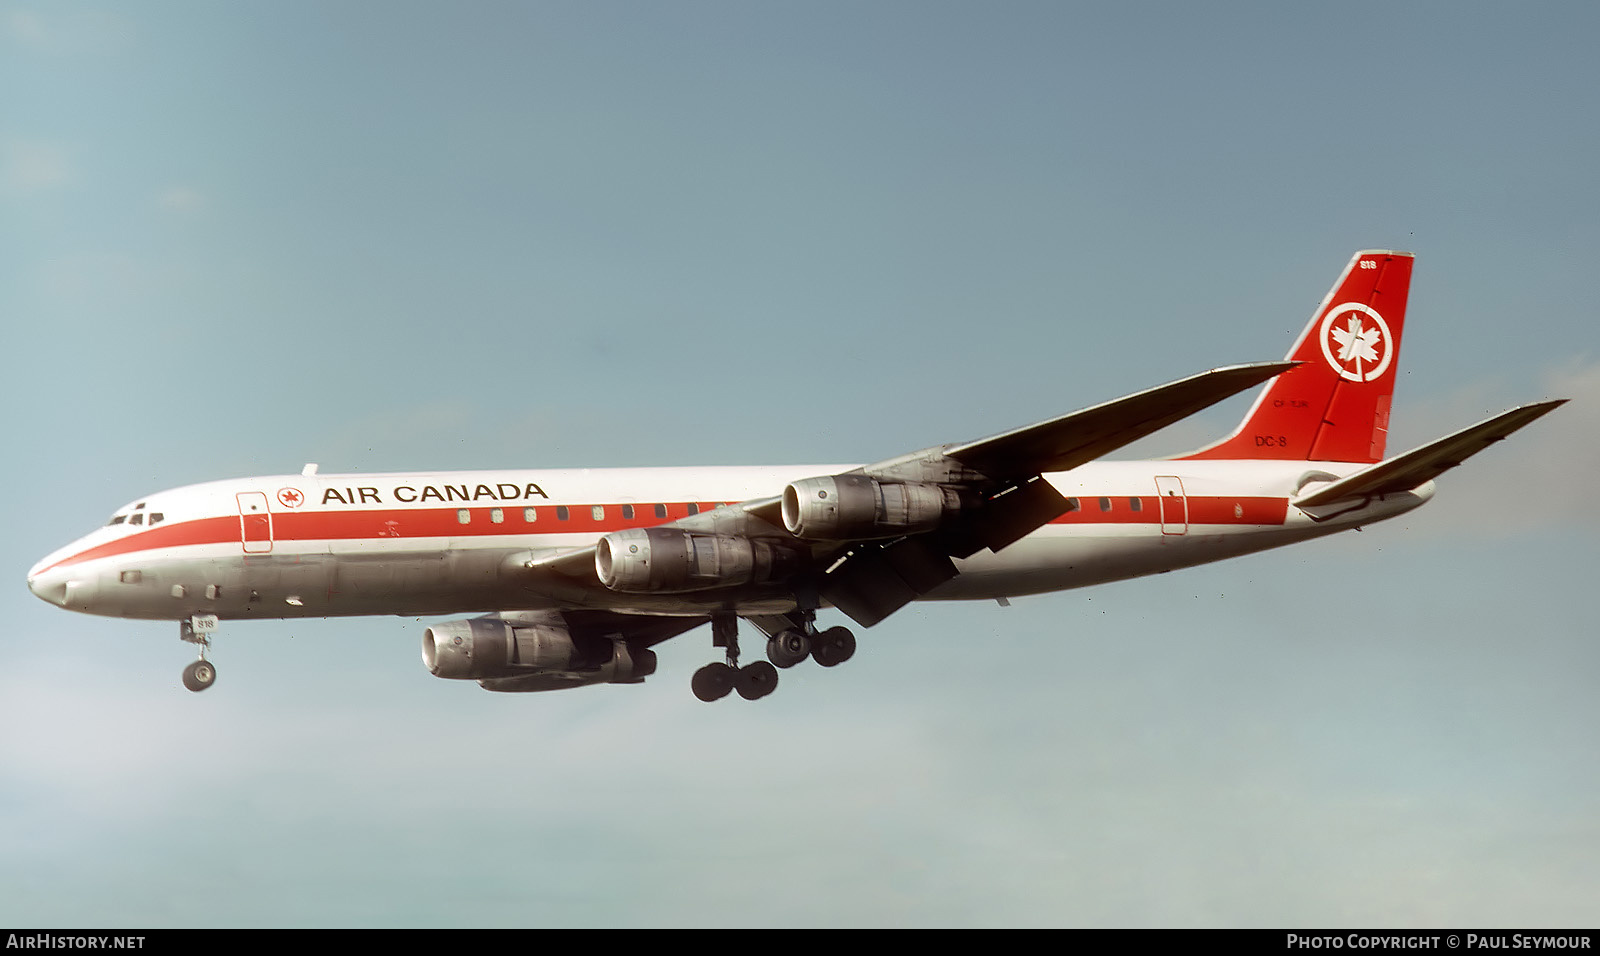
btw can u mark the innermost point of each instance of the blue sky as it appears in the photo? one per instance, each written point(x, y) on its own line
point(388, 236)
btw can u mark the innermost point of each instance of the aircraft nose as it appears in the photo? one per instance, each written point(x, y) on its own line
point(49, 585)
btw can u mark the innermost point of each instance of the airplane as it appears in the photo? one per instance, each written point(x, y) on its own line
point(582, 572)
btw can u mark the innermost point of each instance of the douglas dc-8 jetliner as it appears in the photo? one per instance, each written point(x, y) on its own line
point(582, 572)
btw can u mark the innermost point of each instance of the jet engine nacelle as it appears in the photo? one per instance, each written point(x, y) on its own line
point(529, 656)
point(641, 560)
point(856, 507)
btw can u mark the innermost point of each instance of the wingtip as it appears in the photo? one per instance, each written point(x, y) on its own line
point(1253, 366)
point(1264, 370)
point(1547, 406)
point(1538, 408)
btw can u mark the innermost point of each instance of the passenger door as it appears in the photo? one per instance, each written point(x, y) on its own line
point(255, 522)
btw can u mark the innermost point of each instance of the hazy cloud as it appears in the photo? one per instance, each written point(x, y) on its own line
point(184, 199)
point(32, 166)
point(27, 27)
point(67, 32)
point(1537, 479)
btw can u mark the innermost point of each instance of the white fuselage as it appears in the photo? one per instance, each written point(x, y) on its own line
point(329, 545)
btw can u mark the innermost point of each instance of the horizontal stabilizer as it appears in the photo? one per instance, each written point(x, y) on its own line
point(1064, 443)
point(1423, 464)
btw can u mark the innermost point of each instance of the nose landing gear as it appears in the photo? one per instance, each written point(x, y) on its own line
point(199, 675)
point(198, 630)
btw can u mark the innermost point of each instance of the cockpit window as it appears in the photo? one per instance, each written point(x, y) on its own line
point(116, 519)
point(157, 517)
point(137, 518)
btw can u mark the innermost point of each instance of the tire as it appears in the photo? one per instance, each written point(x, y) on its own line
point(788, 648)
point(199, 676)
point(757, 680)
point(834, 646)
point(712, 682)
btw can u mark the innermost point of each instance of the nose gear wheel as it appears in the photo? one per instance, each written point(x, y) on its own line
point(201, 674)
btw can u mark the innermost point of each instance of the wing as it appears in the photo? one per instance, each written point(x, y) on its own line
point(1064, 443)
point(870, 540)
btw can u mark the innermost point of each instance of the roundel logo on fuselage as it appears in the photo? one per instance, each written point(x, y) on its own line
point(291, 497)
point(1356, 342)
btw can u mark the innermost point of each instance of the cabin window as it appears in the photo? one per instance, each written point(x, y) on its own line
point(599, 512)
point(464, 515)
point(1105, 504)
point(497, 515)
point(530, 515)
point(661, 511)
point(1073, 504)
point(694, 509)
point(1136, 504)
point(561, 512)
point(627, 512)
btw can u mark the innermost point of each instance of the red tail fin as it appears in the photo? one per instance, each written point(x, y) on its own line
point(1334, 406)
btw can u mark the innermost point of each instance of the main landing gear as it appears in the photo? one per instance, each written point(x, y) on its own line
point(791, 639)
point(198, 630)
point(714, 681)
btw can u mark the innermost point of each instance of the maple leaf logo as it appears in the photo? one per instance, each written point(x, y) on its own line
point(1359, 347)
point(1357, 343)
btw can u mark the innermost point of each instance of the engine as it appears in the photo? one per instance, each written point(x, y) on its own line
point(856, 507)
point(641, 560)
point(530, 656)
